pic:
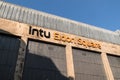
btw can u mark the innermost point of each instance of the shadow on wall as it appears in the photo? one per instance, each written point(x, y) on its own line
point(9, 47)
point(36, 67)
point(41, 68)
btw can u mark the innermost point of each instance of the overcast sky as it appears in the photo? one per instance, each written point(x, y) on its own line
point(100, 13)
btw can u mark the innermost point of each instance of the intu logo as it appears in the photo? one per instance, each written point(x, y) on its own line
point(39, 32)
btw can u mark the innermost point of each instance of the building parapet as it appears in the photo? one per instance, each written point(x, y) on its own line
point(38, 18)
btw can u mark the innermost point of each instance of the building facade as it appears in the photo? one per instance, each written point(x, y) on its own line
point(38, 46)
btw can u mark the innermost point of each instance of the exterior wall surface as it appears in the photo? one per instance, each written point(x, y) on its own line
point(9, 47)
point(115, 66)
point(45, 61)
point(88, 65)
point(46, 52)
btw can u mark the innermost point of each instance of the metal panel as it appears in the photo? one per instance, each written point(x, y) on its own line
point(115, 66)
point(40, 20)
point(73, 28)
point(21, 15)
point(65, 25)
point(35, 19)
point(6, 11)
point(59, 25)
point(53, 20)
point(16, 11)
point(45, 61)
point(88, 65)
point(8, 56)
point(2, 8)
point(10, 12)
point(49, 22)
point(46, 24)
point(25, 16)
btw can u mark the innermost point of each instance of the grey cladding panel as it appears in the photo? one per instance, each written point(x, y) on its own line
point(46, 22)
point(45, 61)
point(35, 18)
point(28, 17)
point(25, 16)
point(21, 15)
point(10, 12)
point(15, 14)
point(115, 66)
point(72, 29)
point(6, 11)
point(88, 65)
point(49, 22)
point(41, 20)
point(2, 8)
point(8, 56)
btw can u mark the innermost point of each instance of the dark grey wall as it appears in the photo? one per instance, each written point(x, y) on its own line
point(45, 61)
point(115, 66)
point(33, 17)
point(9, 47)
point(88, 65)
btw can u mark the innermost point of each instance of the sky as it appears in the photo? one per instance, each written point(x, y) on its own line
point(100, 13)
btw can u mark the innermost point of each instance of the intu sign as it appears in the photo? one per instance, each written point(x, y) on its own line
point(39, 32)
point(62, 37)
